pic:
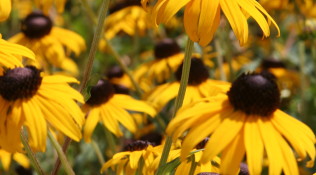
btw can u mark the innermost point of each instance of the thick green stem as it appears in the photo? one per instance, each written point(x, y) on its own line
point(94, 45)
point(123, 66)
point(98, 152)
point(30, 153)
point(61, 154)
point(179, 99)
point(193, 165)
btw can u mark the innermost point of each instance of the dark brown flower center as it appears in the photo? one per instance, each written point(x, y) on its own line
point(254, 93)
point(20, 83)
point(124, 4)
point(166, 48)
point(137, 145)
point(198, 72)
point(100, 93)
point(36, 25)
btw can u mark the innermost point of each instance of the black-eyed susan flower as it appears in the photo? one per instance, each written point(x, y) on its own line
point(11, 55)
point(37, 102)
point(48, 42)
point(201, 17)
point(112, 109)
point(246, 123)
point(199, 86)
point(6, 159)
point(126, 17)
point(5, 9)
point(168, 57)
point(127, 162)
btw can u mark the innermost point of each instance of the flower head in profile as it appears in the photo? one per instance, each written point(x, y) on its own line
point(37, 102)
point(199, 86)
point(48, 42)
point(112, 109)
point(246, 123)
point(6, 159)
point(11, 55)
point(127, 162)
point(168, 57)
point(5, 9)
point(202, 17)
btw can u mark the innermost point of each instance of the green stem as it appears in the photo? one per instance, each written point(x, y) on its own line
point(88, 68)
point(179, 100)
point(193, 165)
point(94, 45)
point(98, 152)
point(67, 142)
point(123, 66)
point(61, 154)
point(89, 11)
point(30, 153)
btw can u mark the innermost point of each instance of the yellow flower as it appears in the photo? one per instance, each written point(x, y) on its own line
point(199, 86)
point(37, 101)
point(6, 158)
point(11, 54)
point(246, 123)
point(111, 109)
point(125, 17)
point(127, 162)
point(48, 42)
point(5, 9)
point(202, 17)
point(168, 57)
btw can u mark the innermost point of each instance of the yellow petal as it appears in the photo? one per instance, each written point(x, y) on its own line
point(223, 137)
point(36, 125)
point(90, 124)
point(129, 103)
point(254, 146)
